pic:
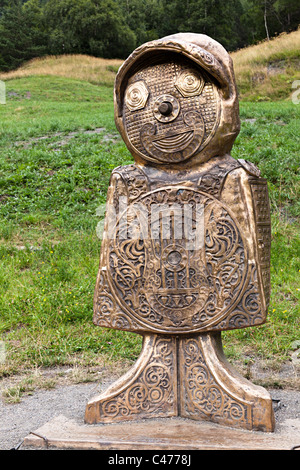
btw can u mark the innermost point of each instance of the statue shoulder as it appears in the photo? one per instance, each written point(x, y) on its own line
point(133, 178)
point(250, 168)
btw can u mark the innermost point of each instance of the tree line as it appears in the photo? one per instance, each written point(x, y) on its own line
point(113, 28)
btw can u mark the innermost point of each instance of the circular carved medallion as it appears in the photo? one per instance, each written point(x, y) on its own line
point(181, 266)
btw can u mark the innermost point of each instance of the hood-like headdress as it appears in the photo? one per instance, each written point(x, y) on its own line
point(208, 55)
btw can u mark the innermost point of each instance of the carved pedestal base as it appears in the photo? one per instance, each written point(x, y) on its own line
point(186, 376)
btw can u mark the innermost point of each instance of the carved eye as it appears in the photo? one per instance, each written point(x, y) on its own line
point(189, 83)
point(136, 96)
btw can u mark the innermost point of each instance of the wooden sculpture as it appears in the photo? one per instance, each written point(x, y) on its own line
point(186, 246)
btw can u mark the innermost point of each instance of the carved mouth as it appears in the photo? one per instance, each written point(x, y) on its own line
point(176, 142)
point(176, 146)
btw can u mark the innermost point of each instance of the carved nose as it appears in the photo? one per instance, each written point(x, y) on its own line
point(165, 108)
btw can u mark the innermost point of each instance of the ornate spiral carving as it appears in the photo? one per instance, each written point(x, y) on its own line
point(106, 304)
point(205, 395)
point(199, 376)
point(236, 411)
point(215, 398)
point(136, 96)
point(137, 396)
point(189, 84)
point(152, 391)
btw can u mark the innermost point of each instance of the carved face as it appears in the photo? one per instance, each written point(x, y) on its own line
point(171, 111)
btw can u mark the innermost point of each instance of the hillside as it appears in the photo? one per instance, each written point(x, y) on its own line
point(78, 66)
point(264, 72)
point(267, 70)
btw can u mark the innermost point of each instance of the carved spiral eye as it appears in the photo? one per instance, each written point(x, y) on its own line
point(189, 83)
point(136, 96)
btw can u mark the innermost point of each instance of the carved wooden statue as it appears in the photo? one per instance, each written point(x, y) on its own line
point(186, 246)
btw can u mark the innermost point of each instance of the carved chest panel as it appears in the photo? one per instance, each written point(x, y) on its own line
point(176, 260)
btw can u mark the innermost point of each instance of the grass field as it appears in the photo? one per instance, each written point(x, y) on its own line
point(58, 146)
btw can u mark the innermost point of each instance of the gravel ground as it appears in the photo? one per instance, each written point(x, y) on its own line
point(18, 420)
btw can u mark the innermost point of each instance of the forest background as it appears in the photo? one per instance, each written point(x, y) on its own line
point(112, 29)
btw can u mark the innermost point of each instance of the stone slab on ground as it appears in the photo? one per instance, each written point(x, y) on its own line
point(159, 434)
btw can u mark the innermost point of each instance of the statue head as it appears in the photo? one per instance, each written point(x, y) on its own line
point(176, 101)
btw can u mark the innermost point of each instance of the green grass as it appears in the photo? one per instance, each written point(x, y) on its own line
point(50, 191)
point(269, 138)
point(54, 176)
